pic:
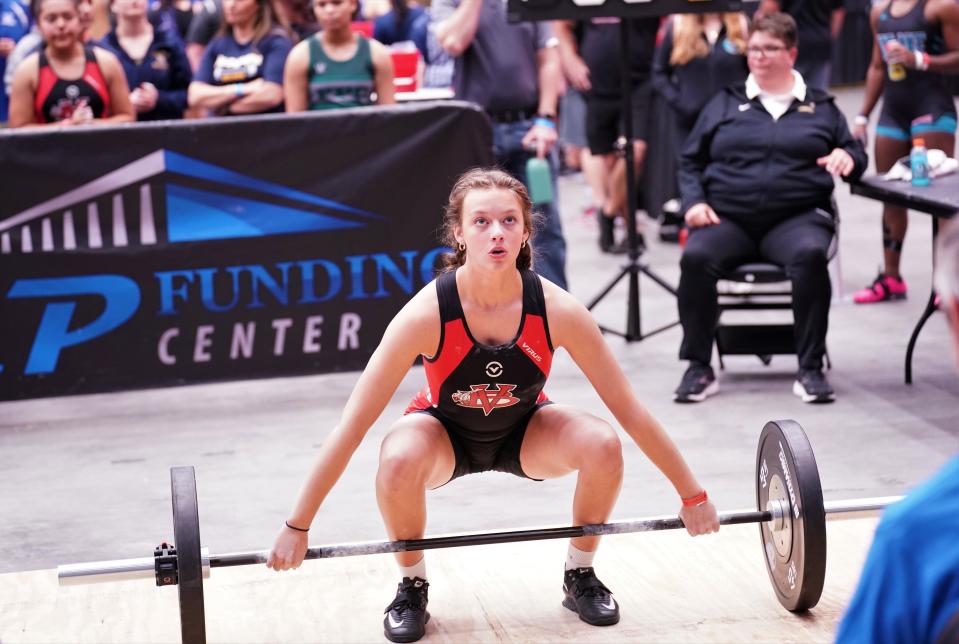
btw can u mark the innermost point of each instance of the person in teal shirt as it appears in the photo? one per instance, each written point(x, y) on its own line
point(337, 67)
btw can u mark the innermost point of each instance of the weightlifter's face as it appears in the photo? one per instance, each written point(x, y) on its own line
point(492, 227)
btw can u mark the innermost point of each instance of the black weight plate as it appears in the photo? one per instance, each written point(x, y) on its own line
point(795, 557)
point(186, 534)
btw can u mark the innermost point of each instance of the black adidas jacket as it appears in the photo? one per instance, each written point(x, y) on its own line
point(758, 171)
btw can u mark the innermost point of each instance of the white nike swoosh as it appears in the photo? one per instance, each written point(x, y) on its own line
point(611, 605)
point(393, 622)
point(744, 107)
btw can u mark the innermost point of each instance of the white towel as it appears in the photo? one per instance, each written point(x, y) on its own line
point(939, 165)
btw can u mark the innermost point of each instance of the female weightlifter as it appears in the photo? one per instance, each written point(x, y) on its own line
point(67, 82)
point(916, 42)
point(487, 329)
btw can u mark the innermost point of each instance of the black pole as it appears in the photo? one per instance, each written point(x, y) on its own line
point(633, 321)
point(485, 538)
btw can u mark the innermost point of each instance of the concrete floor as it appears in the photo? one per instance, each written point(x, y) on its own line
point(86, 477)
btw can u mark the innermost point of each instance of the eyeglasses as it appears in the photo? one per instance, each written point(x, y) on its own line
point(767, 51)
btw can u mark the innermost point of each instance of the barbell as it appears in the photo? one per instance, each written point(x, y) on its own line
point(790, 512)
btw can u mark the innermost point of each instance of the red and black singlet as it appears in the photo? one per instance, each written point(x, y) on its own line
point(484, 391)
point(56, 98)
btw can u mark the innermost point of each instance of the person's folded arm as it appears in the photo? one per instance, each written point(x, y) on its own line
point(263, 99)
point(211, 97)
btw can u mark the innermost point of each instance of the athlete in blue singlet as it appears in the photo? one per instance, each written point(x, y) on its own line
point(487, 329)
point(917, 41)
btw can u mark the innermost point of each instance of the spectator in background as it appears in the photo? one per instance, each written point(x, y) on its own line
point(819, 23)
point(242, 70)
point(337, 67)
point(406, 21)
point(572, 112)
point(605, 122)
point(699, 55)
point(15, 23)
point(205, 25)
point(512, 71)
point(296, 16)
point(174, 16)
point(439, 64)
point(67, 82)
point(909, 587)
point(916, 44)
point(156, 68)
point(756, 177)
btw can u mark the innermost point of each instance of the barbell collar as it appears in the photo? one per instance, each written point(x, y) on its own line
point(118, 570)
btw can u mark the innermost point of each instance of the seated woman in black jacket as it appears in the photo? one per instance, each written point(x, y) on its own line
point(756, 179)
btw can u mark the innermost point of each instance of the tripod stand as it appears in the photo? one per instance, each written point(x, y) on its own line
point(634, 265)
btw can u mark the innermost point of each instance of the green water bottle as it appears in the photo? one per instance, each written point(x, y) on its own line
point(539, 180)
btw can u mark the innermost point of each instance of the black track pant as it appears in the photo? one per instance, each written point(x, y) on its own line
point(800, 244)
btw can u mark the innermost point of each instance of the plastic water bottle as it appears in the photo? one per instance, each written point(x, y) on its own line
point(919, 163)
point(540, 181)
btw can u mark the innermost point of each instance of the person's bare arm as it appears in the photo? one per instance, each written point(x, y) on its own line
point(570, 61)
point(382, 73)
point(194, 53)
point(573, 328)
point(213, 97)
point(947, 13)
point(295, 84)
point(875, 80)
point(260, 96)
point(455, 34)
point(414, 331)
point(22, 94)
point(836, 20)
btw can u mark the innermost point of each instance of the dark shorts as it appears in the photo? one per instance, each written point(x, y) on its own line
point(474, 456)
point(604, 118)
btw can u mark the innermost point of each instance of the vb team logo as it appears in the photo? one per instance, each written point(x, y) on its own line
point(486, 397)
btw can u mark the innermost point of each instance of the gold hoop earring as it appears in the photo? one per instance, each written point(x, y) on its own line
point(462, 247)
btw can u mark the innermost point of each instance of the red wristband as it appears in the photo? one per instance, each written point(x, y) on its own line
point(693, 501)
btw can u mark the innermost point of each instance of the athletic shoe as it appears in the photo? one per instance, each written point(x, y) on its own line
point(811, 385)
point(698, 383)
point(587, 596)
point(607, 242)
point(406, 617)
point(882, 289)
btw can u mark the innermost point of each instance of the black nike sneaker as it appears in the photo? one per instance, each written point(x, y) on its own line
point(406, 617)
point(586, 595)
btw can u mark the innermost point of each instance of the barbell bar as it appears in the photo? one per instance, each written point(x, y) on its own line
point(790, 512)
point(144, 567)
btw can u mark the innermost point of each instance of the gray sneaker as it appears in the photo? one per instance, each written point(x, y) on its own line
point(811, 385)
point(698, 383)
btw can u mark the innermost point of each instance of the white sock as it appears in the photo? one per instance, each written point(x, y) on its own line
point(576, 558)
point(416, 570)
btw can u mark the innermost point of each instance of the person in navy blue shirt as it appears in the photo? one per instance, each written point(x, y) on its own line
point(153, 60)
point(242, 71)
point(909, 587)
point(404, 22)
point(15, 23)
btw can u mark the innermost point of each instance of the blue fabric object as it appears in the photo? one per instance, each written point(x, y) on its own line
point(414, 27)
point(165, 66)
point(226, 61)
point(909, 588)
point(15, 23)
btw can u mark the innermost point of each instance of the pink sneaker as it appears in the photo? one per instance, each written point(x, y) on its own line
point(883, 288)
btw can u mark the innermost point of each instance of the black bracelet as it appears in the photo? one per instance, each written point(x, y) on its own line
point(293, 527)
